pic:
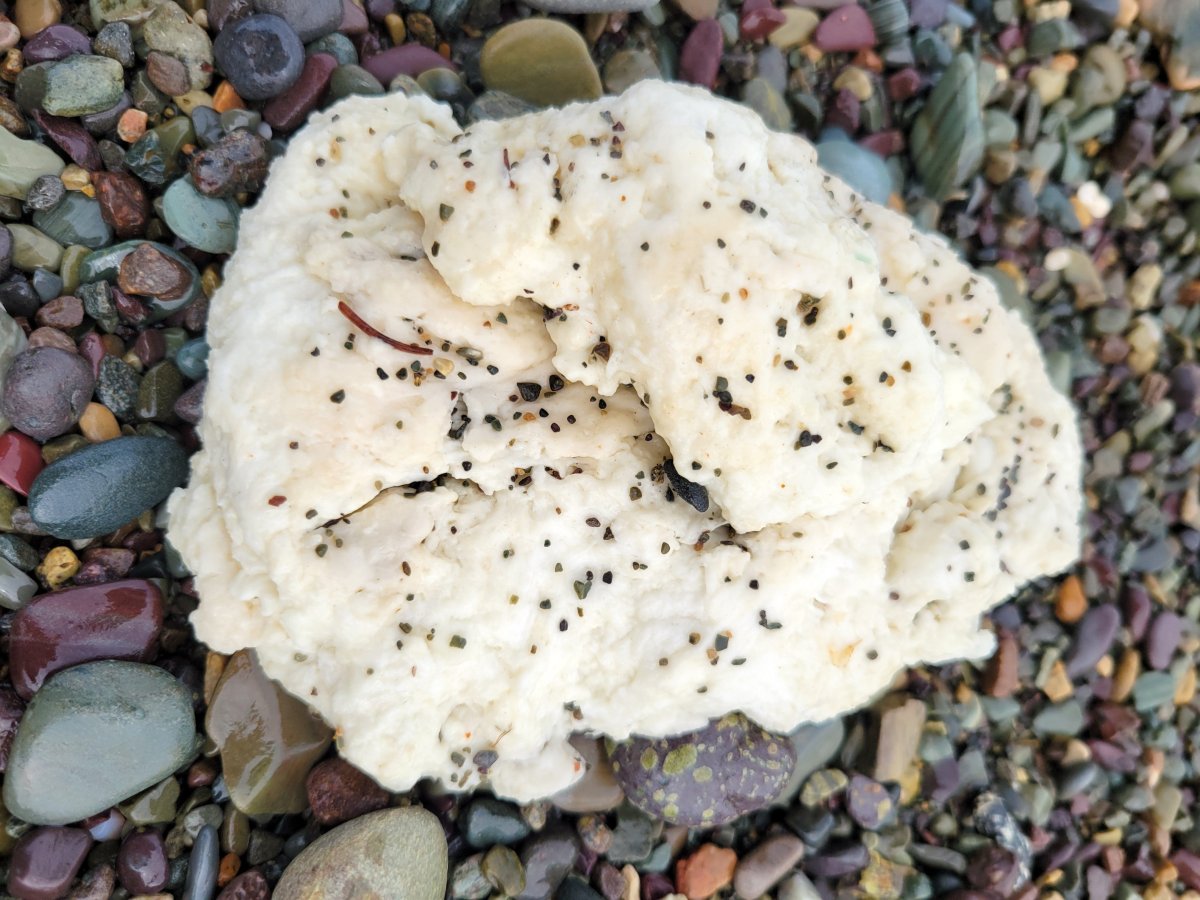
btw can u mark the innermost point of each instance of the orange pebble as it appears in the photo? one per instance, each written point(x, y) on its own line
point(99, 424)
point(131, 125)
point(705, 872)
point(226, 98)
point(1070, 604)
point(230, 864)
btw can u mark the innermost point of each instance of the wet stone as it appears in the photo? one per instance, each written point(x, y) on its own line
point(22, 162)
point(46, 192)
point(467, 881)
point(268, 739)
point(489, 821)
point(838, 862)
point(397, 853)
point(167, 74)
point(33, 249)
point(142, 863)
point(543, 61)
point(260, 55)
point(1063, 719)
point(72, 138)
point(120, 620)
point(407, 59)
point(20, 461)
point(727, 769)
point(766, 865)
point(190, 405)
point(77, 219)
point(203, 865)
point(237, 162)
point(288, 111)
point(46, 391)
point(135, 719)
point(206, 223)
point(45, 862)
point(250, 885)
point(11, 710)
point(101, 487)
point(627, 67)
point(338, 792)
point(54, 43)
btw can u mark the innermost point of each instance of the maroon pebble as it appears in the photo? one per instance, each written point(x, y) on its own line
point(1162, 639)
point(904, 84)
point(51, 337)
point(407, 59)
point(1137, 610)
point(150, 347)
point(131, 310)
point(142, 863)
point(289, 110)
point(93, 350)
point(250, 885)
point(757, 24)
point(123, 203)
point(847, 28)
point(338, 792)
point(1188, 866)
point(20, 461)
point(11, 710)
point(845, 112)
point(73, 139)
point(55, 42)
point(120, 620)
point(354, 18)
point(884, 143)
point(190, 405)
point(45, 862)
point(700, 55)
point(112, 562)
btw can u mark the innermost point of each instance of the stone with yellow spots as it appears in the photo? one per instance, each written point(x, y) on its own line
point(706, 777)
point(59, 566)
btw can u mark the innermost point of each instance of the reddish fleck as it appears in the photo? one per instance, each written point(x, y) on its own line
point(345, 310)
point(278, 500)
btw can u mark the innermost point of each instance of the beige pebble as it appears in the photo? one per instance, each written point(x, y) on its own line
point(1058, 686)
point(32, 16)
point(1128, 670)
point(797, 28)
point(98, 424)
point(193, 99)
point(1185, 691)
point(10, 34)
point(1094, 199)
point(131, 125)
point(59, 566)
point(394, 23)
point(856, 81)
point(1049, 83)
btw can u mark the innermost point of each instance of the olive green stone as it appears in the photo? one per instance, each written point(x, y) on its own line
point(160, 388)
point(445, 85)
point(154, 806)
point(132, 11)
point(502, 868)
point(626, 68)
point(1100, 79)
point(207, 223)
point(145, 96)
point(22, 163)
point(353, 79)
point(34, 250)
point(154, 157)
point(168, 30)
point(8, 503)
point(947, 137)
point(395, 853)
point(1185, 183)
point(762, 97)
point(62, 447)
point(267, 738)
point(82, 84)
point(69, 268)
point(543, 61)
point(31, 84)
point(133, 723)
point(75, 220)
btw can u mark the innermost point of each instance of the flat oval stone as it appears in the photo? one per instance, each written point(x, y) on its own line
point(72, 138)
point(142, 863)
point(268, 739)
point(207, 223)
point(23, 162)
point(1093, 637)
point(706, 777)
point(99, 488)
point(20, 461)
point(395, 853)
point(45, 862)
point(543, 61)
point(134, 723)
point(260, 55)
point(310, 19)
point(123, 202)
point(118, 620)
point(33, 249)
point(46, 391)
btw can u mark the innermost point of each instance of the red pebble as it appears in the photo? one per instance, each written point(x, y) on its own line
point(757, 24)
point(118, 620)
point(700, 56)
point(20, 461)
point(291, 108)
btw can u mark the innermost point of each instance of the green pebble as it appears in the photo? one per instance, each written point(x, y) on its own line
point(8, 504)
point(146, 96)
point(1152, 690)
point(947, 137)
point(489, 821)
point(154, 157)
point(543, 61)
point(626, 68)
point(1185, 183)
point(192, 359)
point(75, 220)
point(160, 388)
point(53, 451)
point(1060, 719)
point(168, 30)
point(22, 163)
point(69, 268)
point(1053, 36)
point(206, 223)
point(32, 249)
point(15, 550)
point(155, 806)
point(83, 84)
point(762, 97)
point(16, 588)
point(174, 338)
point(502, 867)
point(135, 721)
point(336, 45)
point(352, 80)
